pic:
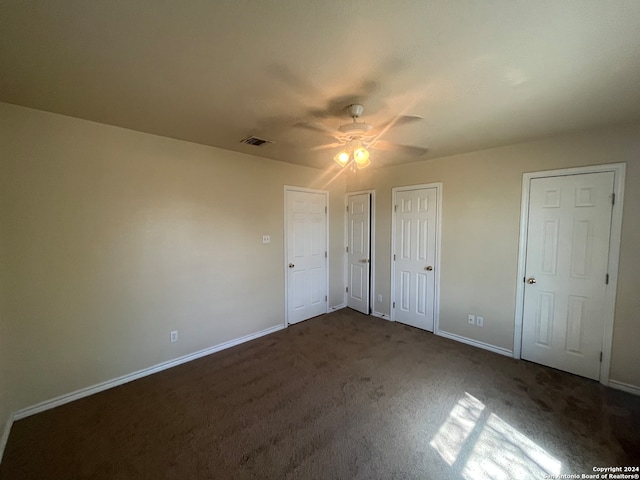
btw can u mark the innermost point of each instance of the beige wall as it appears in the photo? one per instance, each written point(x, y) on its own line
point(113, 238)
point(480, 232)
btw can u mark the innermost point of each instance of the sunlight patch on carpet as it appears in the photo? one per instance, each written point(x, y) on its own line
point(454, 432)
point(501, 452)
point(479, 444)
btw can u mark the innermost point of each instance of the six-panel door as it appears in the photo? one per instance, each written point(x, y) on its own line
point(415, 252)
point(566, 268)
point(358, 256)
point(306, 255)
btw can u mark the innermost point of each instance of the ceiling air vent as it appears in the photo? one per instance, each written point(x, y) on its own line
point(255, 141)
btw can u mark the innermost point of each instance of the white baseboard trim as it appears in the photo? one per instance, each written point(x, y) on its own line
point(85, 392)
point(338, 307)
point(381, 315)
point(625, 387)
point(475, 343)
point(5, 435)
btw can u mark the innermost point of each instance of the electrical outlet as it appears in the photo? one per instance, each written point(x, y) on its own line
point(266, 239)
point(174, 336)
point(379, 297)
point(471, 319)
point(480, 321)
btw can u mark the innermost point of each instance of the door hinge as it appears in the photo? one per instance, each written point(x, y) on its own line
point(394, 257)
point(325, 209)
point(606, 279)
point(613, 199)
point(347, 208)
point(394, 304)
point(395, 208)
point(325, 254)
point(347, 289)
point(325, 298)
point(347, 249)
point(524, 279)
point(600, 357)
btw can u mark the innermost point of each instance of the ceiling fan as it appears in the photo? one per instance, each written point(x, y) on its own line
point(357, 138)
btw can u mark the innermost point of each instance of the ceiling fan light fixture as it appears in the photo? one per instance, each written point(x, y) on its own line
point(361, 157)
point(363, 164)
point(356, 139)
point(342, 157)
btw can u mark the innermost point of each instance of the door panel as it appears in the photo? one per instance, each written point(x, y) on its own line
point(359, 251)
point(567, 253)
point(414, 264)
point(306, 255)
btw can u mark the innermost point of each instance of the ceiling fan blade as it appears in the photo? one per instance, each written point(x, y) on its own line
point(394, 147)
point(319, 127)
point(396, 121)
point(328, 146)
point(400, 120)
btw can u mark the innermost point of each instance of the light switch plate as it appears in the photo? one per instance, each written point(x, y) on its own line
point(266, 238)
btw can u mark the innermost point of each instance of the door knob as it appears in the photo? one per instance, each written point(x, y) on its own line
point(531, 280)
point(428, 268)
point(291, 265)
point(364, 260)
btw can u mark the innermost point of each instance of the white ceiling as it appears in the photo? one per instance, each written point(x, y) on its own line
point(481, 73)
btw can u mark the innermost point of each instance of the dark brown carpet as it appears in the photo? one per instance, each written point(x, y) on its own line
point(337, 397)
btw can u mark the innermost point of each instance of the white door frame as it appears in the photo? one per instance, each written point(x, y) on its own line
point(290, 188)
point(614, 255)
point(372, 246)
point(436, 295)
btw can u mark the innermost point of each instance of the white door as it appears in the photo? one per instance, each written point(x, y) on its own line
point(414, 256)
point(566, 271)
point(359, 251)
point(306, 255)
